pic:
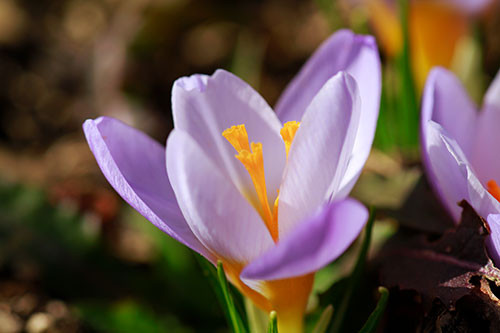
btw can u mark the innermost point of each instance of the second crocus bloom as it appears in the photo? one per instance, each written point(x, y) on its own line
point(436, 29)
point(460, 149)
point(263, 192)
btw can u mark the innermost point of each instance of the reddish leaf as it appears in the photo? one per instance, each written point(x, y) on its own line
point(452, 278)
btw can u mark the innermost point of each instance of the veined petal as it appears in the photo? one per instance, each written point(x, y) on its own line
point(319, 155)
point(343, 51)
point(313, 244)
point(220, 217)
point(134, 165)
point(494, 239)
point(452, 175)
point(193, 82)
point(358, 56)
point(204, 106)
point(366, 70)
point(446, 102)
point(486, 157)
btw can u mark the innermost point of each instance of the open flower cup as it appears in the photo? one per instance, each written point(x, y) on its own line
point(264, 192)
point(460, 147)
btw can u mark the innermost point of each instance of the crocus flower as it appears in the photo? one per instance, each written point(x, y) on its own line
point(435, 27)
point(263, 192)
point(460, 149)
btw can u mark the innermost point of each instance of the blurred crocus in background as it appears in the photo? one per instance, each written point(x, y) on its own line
point(263, 192)
point(460, 148)
point(415, 36)
point(436, 30)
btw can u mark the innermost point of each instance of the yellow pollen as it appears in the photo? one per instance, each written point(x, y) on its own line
point(288, 133)
point(494, 189)
point(237, 137)
point(253, 160)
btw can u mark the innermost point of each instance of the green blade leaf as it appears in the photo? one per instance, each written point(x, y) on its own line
point(339, 316)
point(231, 312)
point(248, 56)
point(235, 320)
point(387, 132)
point(324, 320)
point(408, 102)
point(210, 274)
point(372, 322)
point(273, 323)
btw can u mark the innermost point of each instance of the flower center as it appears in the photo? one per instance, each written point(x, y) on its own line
point(494, 189)
point(251, 156)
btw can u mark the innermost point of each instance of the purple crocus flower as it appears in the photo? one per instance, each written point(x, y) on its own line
point(275, 210)
point(459, 147)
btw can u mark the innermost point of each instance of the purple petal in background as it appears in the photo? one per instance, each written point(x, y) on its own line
point(134, 165)
point(446, 102)
point(494, 239)
point(452, 176)
point(486, 155)
point(492, 97)
point(313, 244)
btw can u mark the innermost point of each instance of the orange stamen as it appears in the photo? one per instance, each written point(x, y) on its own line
point(494, 189)
point(252, 158)
point(288, 133)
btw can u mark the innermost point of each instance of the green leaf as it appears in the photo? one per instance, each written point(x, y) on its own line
point(273, 323)
point(248, 57)
point(353, 280)
point(324, 320)
point(387, 131)
point(235, 320)
point(372, 322)
point(218, 281)
point(408, 102)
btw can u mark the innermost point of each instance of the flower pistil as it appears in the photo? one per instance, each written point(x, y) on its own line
point(252, 158)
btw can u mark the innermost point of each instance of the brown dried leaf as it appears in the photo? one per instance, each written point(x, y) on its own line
point(449, 275)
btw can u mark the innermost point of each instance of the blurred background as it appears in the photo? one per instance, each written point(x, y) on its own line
point(73, 256)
